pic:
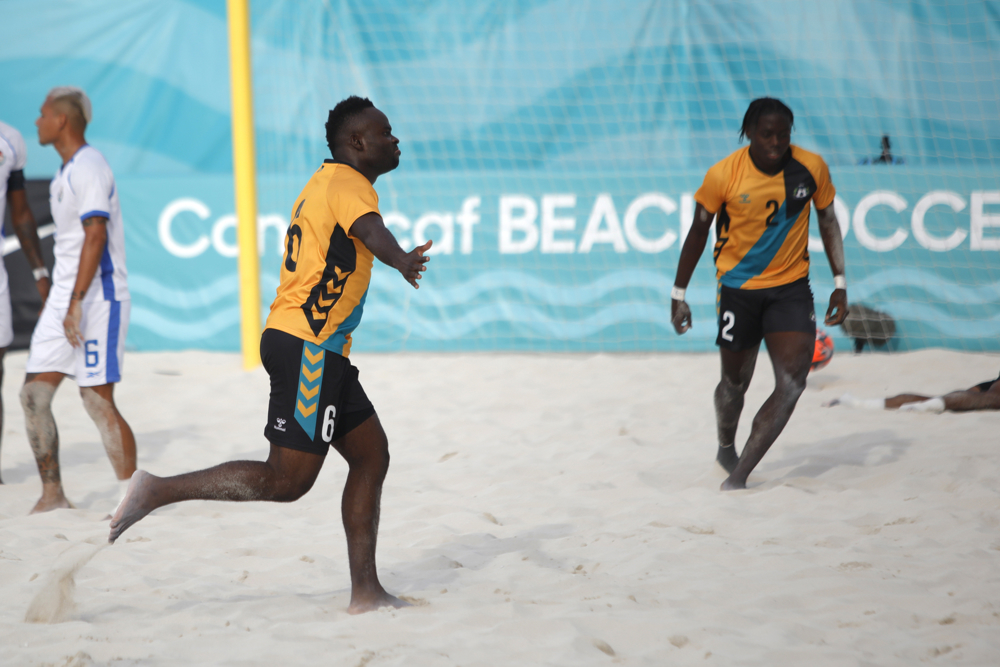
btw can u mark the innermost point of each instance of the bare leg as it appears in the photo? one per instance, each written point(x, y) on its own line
point(791, 353)
point(119, 442)
point(3, 351)
point(36, 399)
point(286, 476)
point(366, 450)
point(737, 371)
point(973, 399)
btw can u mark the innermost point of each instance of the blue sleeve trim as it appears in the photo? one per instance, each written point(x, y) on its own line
point(95, 214)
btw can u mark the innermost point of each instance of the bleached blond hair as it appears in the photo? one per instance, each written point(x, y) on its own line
point(74, 102)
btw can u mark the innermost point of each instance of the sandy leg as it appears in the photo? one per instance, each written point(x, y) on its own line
point(116, 435)
point(731, 485)
point(52, 498)
point(134, 506)
point(366, 450)
point(36, 399)
point(363, 603)
point(791, 354)
point(727, 458)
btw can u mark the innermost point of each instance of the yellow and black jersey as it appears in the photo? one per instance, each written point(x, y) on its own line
point(762, 222)
point(325, 272)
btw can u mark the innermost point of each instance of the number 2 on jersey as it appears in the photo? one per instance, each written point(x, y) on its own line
point(770, 219)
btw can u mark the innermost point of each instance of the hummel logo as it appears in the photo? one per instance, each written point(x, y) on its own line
point(280, 425)
point(744, 199)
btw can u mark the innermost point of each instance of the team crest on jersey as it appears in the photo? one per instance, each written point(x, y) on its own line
point(59, 196)
point(801, 192)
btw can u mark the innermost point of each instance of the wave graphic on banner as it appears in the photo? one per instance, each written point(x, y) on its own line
point(534, 307)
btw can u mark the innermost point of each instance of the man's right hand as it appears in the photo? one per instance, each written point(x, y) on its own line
point(413, 263)
point(680, 315)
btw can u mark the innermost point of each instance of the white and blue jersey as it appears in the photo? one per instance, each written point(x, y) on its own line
point(85, 188)
point(13, 157)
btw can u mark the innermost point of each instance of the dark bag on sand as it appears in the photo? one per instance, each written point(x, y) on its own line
point(867, 325)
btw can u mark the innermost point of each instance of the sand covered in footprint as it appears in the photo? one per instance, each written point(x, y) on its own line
point(540, 509)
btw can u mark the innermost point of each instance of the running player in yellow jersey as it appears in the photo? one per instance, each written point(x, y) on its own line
point(760, 198)
point(316, 400)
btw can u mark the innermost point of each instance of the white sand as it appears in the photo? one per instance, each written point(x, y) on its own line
point(542, 509)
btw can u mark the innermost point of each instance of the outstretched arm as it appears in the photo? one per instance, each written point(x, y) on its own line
point(833, 243)
point(694, 245)
point(27, 234)
point(371, 230)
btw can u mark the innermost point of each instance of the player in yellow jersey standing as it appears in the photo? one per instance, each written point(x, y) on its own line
point(316, 400)
point(760, 198)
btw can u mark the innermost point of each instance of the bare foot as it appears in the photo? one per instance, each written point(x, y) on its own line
point(727, 458)
point(360, 604)
point(52, 501)
point(733, 485)
point(134, 505)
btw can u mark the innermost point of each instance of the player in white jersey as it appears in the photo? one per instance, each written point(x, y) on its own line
point(13, 156)
point(81, 332)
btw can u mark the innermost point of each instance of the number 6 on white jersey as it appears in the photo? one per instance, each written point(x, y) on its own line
point(331, 412)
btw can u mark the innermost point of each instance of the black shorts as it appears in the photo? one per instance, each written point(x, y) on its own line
point(316, 398)
point(745, 315)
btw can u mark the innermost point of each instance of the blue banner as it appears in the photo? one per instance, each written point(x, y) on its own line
point(550, 149)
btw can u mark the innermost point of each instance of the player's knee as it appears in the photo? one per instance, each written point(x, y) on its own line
point(383, 461)
point(791, 386)
point(35, 397)
point(293, 489)
point(95, 406)
point(731, 385)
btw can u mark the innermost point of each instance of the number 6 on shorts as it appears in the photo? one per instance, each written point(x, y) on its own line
point(328, 416)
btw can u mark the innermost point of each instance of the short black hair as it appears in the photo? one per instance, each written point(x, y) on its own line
point(339, 116)
point(762, 106)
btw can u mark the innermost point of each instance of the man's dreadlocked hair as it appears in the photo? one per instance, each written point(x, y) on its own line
point(763, 106)
point(341, 114)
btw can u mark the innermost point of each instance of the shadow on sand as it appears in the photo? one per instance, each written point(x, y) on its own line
point(870, 449)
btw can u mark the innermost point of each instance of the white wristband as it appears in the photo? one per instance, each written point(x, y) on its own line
point(677, 293)
point(840, 282)
point(39, 273)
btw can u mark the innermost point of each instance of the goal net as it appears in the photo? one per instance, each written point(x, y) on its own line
point(551, 151)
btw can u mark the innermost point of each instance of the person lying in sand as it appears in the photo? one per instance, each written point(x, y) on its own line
point(983, 396)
